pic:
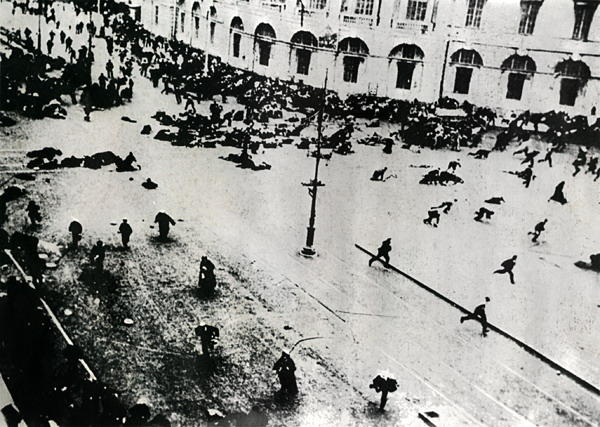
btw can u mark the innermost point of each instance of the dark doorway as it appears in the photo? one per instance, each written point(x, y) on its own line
point(463, 80)
point(405, 74)
point(351, 66)
point(264, 53)
point(514, 88)
point(568, 91)
point(303, 60)
point(237, 37)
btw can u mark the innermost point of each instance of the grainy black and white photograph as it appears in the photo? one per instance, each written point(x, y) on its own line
point(299, 213)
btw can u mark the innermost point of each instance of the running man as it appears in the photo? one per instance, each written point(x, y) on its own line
point(507, 267)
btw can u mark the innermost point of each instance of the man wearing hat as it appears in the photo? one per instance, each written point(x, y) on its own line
point(125, 231)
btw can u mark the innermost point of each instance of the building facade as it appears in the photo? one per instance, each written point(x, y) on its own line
point(507, 54)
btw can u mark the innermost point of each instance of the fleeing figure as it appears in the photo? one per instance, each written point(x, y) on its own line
point(559, 195)
point(378, 174)
point(507, 268)
point(548, 156)
point(384, 384)
point(479, 315)
point(164, 224)
point(483, 213)
point(433, 218)
point(539, 227)
point(383, 252)
point(285, 368)
point(125, 231)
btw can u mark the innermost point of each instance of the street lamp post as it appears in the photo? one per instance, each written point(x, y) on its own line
point(308, 250)
point(88, 106)
point(39, 34)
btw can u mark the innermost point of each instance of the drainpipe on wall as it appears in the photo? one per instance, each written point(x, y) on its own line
point(378, 13)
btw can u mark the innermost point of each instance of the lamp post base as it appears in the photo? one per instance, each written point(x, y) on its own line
point(308, 252)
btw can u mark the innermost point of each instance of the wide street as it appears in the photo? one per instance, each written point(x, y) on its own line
point(253, 224)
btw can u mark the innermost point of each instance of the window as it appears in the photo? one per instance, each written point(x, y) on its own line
point(529, 12)
point(303, 61)
point(155, 15)
point(462, 80)
point(237, 37)
point(264, 52)
point(568, 91)
point(405, 75)
point(466, 57)
point(520, 68)
point(351, 65)
point(364, 7)
point(474, 10)
point(196, 26)
point(317, 4)
point(213, 25)
point(584, 13)
point(514, 88)
point(416, 10)
point(182, 22)
point(574, 74)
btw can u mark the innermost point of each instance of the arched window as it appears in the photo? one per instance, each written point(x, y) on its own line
point(302, 42)
point(196, 18)
point(354, 50)
point(520, 69)
point(264, 37)
point(573, 77)
point(521, 63)
point(353, 45)
point(407, 56)
point(236, 37)
point(467, 57)
point(465, 60)
point(237, 24)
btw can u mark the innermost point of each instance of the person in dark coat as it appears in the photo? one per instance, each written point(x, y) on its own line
point(75, 229)
point(285, 369)
point(478, 314)
point(164, 222)
point(483, 212)
point(558, 195)
point(97, 255)
point(539, 227)
point(383, 252)
point(384, 386)
point(208, 338)
point(206, 279)
point(507, 267)
point(33, 211)
point(125, 232)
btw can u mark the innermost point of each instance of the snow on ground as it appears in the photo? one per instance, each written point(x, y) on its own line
point(254, 223)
